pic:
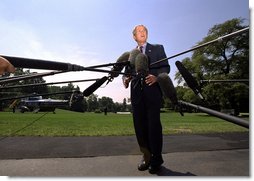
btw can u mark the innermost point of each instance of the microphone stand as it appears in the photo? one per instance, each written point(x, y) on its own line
point(29, 76)
point(232, 119)
point(110, 64)
point(20, 62)
point(223, 81)
point(33, 95)
point(43, 84)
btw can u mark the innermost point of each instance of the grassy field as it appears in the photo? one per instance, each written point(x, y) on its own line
point(66, 123)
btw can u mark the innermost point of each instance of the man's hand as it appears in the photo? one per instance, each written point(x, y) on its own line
point(126, 81)
point(5, 66)
point(150, 79)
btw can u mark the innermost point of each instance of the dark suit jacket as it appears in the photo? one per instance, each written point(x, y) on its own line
point(154, 53)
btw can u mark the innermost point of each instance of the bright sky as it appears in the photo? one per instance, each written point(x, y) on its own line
point(90, 32)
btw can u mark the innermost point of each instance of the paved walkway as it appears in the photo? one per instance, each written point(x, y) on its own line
point(184, 155)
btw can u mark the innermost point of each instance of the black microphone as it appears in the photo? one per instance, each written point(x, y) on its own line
point(88, 91)
point(42, 64)
point(189, 79)
point(119, 67)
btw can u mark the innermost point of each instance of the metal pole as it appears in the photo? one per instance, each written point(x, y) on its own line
point(232, 80)
point(232, 119)
point(43, 84)
point(52, 65)
point(30, 76)
point(33, 95)
point(109, 64)
point(203, 45)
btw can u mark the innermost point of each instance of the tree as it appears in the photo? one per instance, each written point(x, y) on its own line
point(106, 102)
point(22, 91)
point(92, 102)
point(228, 59)
point(230, 56)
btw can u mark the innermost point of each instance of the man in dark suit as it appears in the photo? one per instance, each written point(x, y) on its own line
point(146, 100)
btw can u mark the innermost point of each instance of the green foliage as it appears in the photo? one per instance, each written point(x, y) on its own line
point(92, 102)
point(106, 103)
point(230, 56)
point(225, 60)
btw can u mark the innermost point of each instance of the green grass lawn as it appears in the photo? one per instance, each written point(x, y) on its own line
point(66, 123)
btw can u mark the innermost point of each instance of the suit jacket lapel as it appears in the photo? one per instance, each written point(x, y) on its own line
point(148, 49)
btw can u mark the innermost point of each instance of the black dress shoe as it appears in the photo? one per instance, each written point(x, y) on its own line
point(154, 169)
point(143, 166)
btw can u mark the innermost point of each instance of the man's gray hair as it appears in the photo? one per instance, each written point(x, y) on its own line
point(134, 29)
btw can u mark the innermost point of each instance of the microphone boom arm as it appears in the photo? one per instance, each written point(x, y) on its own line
point(203, 45)
point(232, 119)
point(29, 76)
point(43, 84)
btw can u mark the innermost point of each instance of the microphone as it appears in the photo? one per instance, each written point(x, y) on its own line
point(123, 61)
point(168, 90)
point(167, 87)
point(141, 65)
point(88, 91)
point(141, 68)
point(133, 55)
point(189, 79)
point(42, 64)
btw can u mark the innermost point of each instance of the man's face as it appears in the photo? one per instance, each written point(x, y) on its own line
point(141, 35)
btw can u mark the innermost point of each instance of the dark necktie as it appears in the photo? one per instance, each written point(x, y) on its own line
point(141, 49)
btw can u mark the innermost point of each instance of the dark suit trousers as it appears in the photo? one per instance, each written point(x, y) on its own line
point(146, 103)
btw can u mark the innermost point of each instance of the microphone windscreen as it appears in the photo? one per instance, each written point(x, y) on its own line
point(133, 55)
point(167, 87)
point(123, 58)
point(88, 91)
point(189, 79)
point(119, 67)
point(141, 64)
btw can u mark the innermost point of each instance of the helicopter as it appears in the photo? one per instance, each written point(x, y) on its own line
point(37, 103)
